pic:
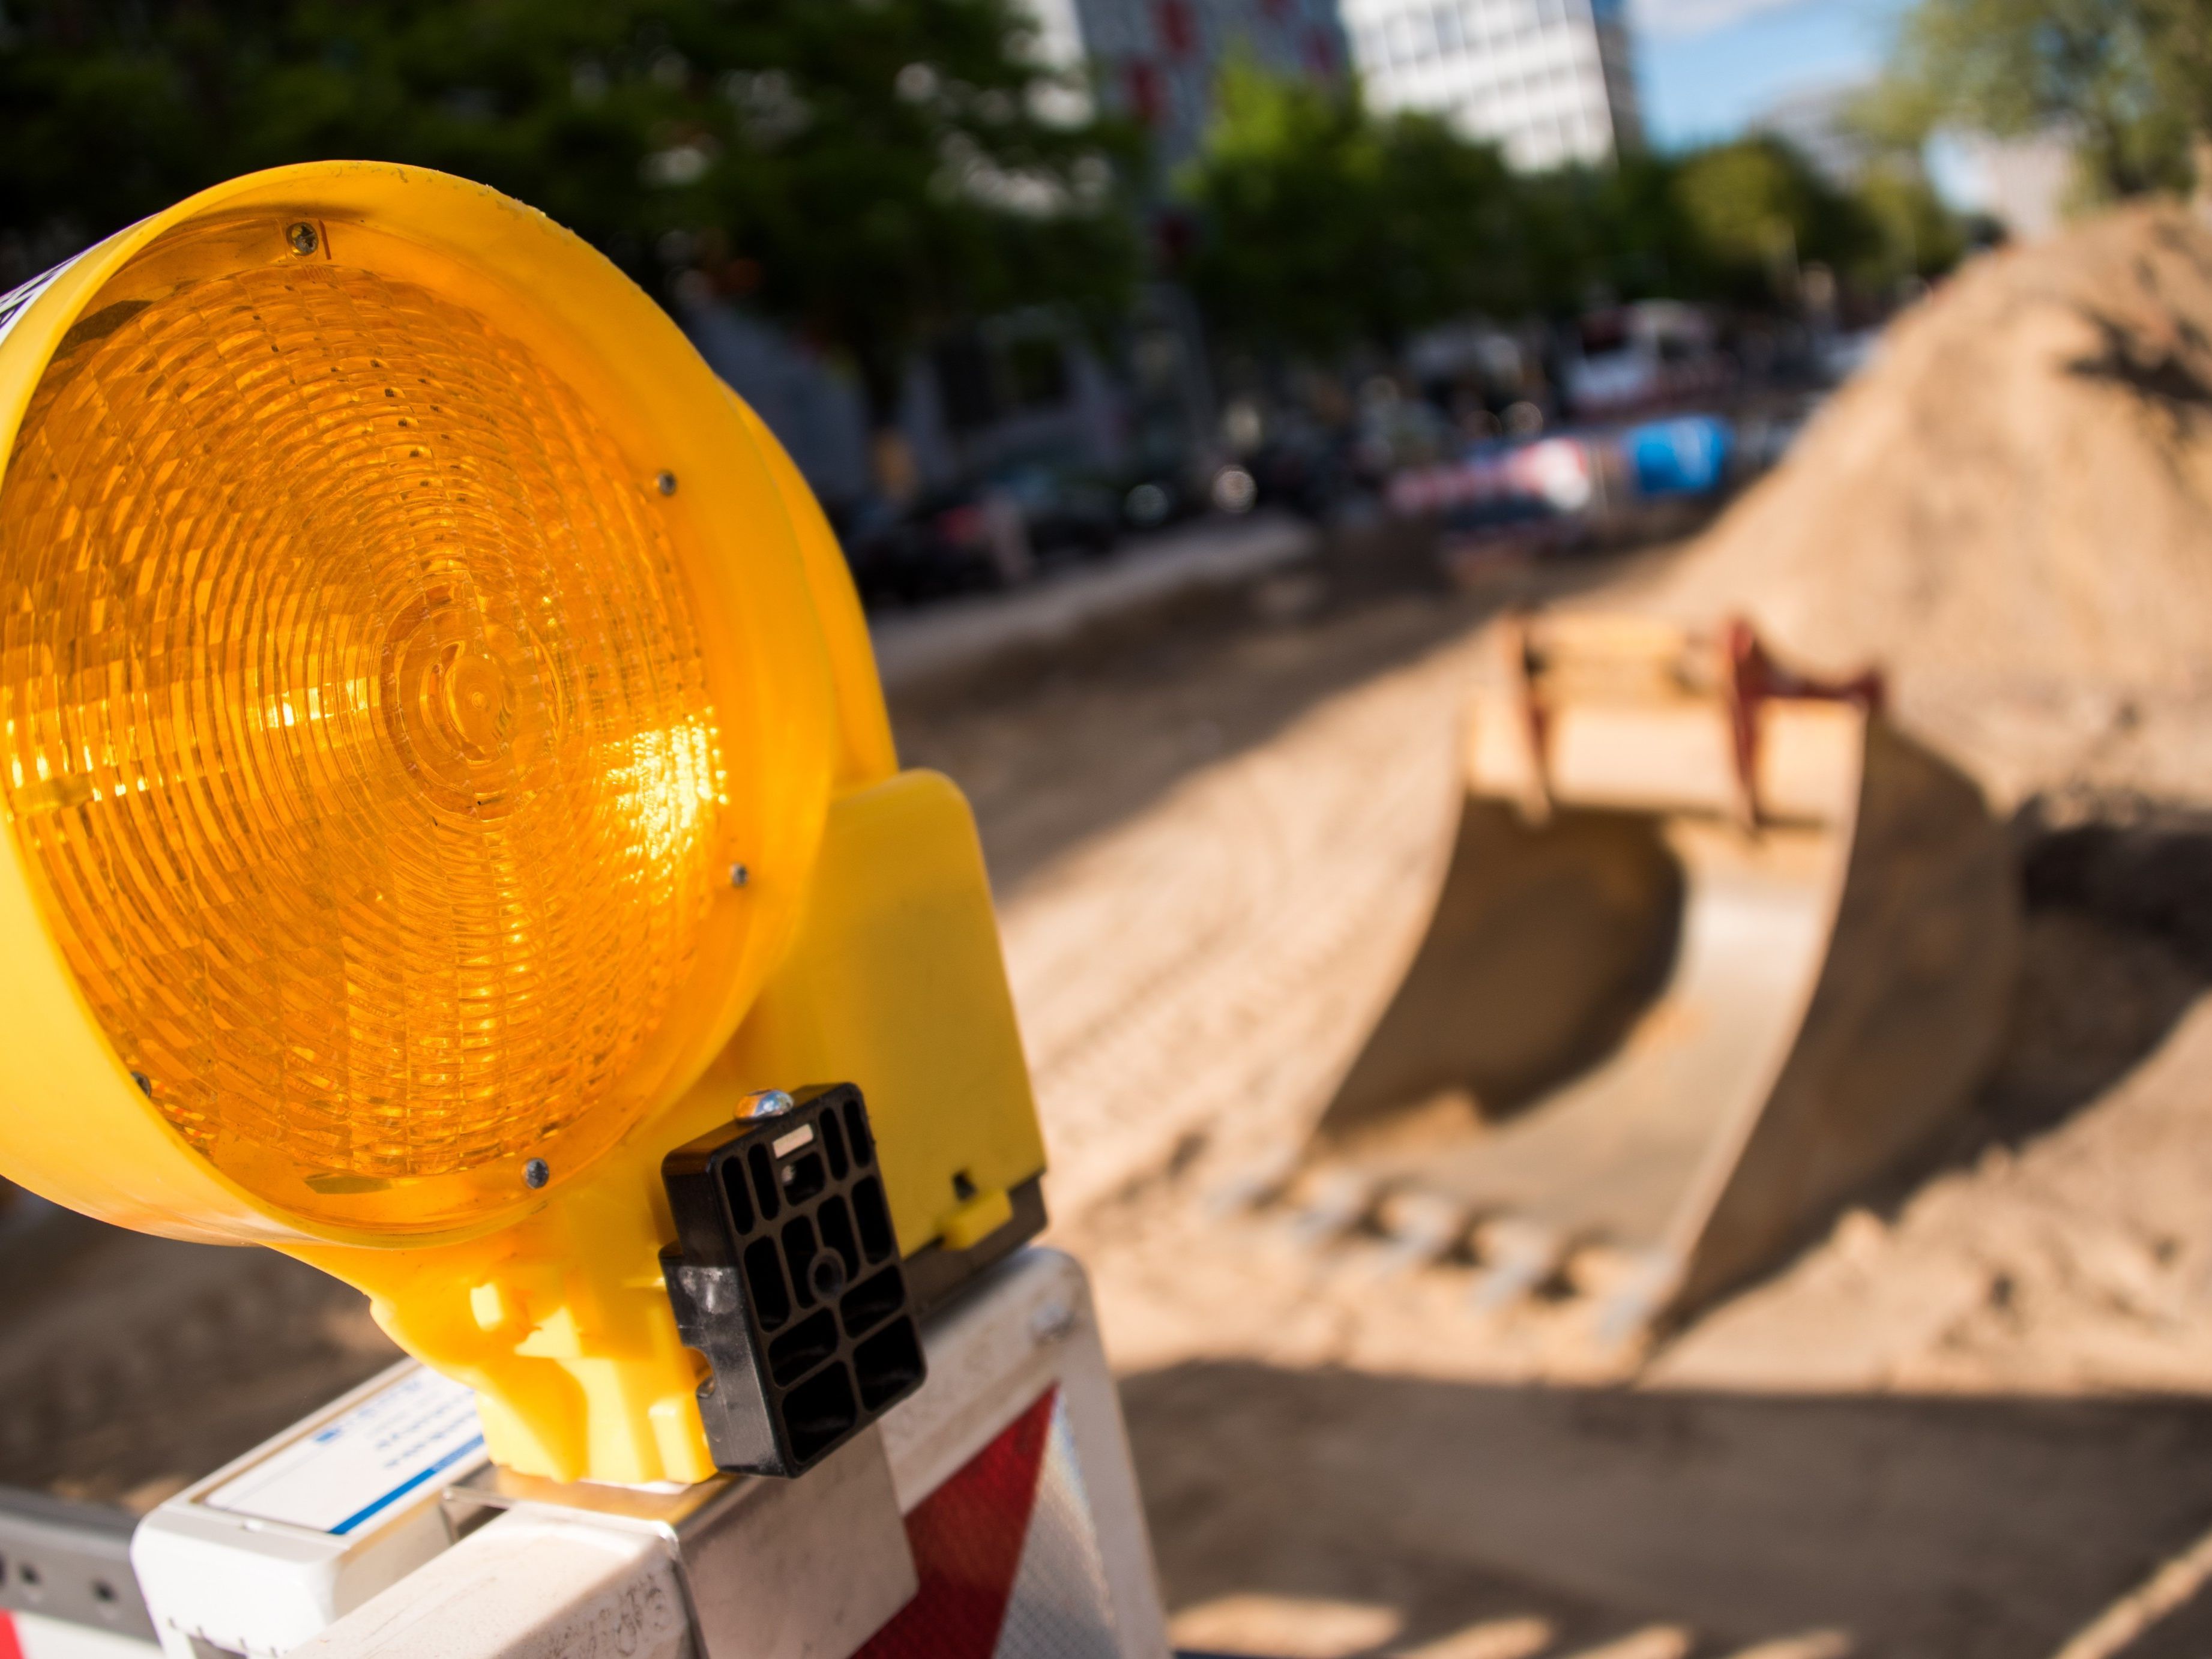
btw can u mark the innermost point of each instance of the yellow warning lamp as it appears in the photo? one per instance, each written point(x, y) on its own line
point(445, 770)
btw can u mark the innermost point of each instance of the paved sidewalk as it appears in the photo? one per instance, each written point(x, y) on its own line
point(922, 650)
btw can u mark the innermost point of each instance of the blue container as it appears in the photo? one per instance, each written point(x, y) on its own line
point(1688, 455)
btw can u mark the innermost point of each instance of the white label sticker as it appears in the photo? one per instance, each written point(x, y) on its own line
point(357, 1468)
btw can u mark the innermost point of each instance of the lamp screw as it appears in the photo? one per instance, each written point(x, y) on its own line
point(535, 1174)
point(303, 238)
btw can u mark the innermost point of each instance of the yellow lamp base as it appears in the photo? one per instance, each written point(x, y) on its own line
point(560, 1322)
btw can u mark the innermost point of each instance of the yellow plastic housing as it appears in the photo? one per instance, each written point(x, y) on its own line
point(357, 726)
point(403, 637)
point(896, 984)
point(443, 768)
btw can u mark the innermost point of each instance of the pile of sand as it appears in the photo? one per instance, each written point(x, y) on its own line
point(2012, 513)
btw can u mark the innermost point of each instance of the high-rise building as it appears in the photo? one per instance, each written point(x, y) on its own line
point(1550, 81)
point(1159, 59)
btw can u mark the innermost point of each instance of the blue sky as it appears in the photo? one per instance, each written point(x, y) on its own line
point(1706, 67)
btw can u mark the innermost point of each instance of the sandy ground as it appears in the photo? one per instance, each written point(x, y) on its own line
point(2012, 513)
point(1974, 1418)
point(130, 1366)
point(1969, 1422)
point(1966, 1423)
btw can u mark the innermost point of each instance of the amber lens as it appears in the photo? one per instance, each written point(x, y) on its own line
point(357, 723)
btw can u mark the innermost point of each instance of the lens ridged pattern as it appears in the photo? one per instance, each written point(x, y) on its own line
point(357, 721)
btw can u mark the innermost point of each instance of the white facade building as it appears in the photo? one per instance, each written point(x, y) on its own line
point(1550, 81)
point(2024, 184)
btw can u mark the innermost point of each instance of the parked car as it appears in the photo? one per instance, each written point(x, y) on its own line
point(932, 549)
point(989, 532)
point(1656, 354)
point(1064, 509)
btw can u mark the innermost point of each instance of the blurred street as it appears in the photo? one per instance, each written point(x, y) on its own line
point(1579, 633)
point(1342, 1457)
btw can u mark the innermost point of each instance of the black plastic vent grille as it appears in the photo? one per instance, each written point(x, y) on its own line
point(786, 1275)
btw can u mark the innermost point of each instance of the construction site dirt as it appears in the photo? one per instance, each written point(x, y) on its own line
point(1966, 1423)
point(1902, 1442)
point(1968, 1413)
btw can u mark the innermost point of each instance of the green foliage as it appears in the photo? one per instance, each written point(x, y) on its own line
point(1322, 226)
point(1914, 233)
point(872, 169)
point(1757, 212)
point(2180, 33)
point(866, 167)
point(2120, 76)
point(1597, 235)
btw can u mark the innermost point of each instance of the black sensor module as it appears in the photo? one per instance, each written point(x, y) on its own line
point(787, 1276)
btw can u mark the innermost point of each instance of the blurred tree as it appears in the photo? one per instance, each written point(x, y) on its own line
point(1759, 212)
point(1595, 235)
point(1452, 227)
point(1321, 226)
point(2181, 59)
point(865, 169)
point(1913, 233)
point(2102, 70)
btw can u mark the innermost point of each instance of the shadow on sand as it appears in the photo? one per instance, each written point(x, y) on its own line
point(1956, 1527)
